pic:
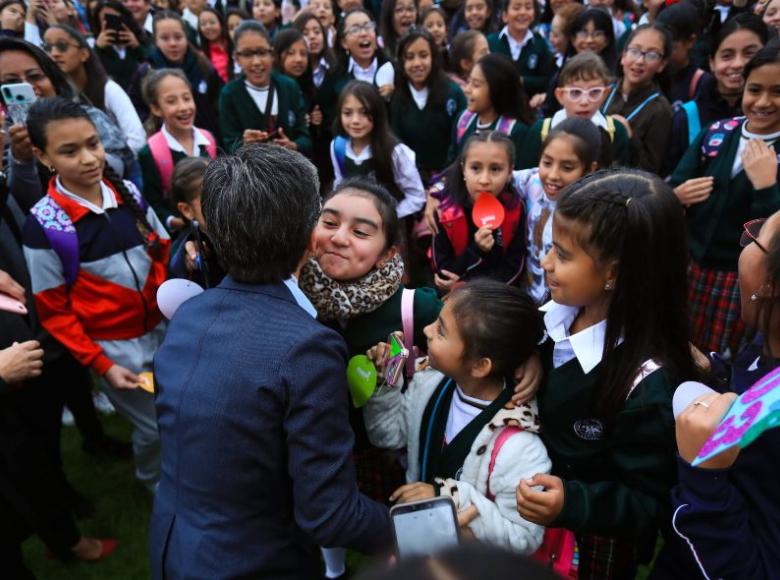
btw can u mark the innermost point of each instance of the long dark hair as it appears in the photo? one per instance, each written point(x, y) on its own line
point(127, 17)
point(602, 21)
point(456, 192)
point(590, 143)
point(45, 111)
point(633, 218)
point(663, 79)
point(204, 65)
point(437, 82)
point(224, 36)
point(744, 21)
point(58, 79)
point(95, 89)
point(385, 204)
point(283, 40)
point(327, 53)
point(383, 141)
point(506, 87)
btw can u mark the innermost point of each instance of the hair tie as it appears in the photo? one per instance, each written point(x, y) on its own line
point(628, 200)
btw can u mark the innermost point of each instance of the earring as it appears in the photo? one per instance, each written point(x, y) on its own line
point(51, 169)
point(754, 298)
point(607, 286)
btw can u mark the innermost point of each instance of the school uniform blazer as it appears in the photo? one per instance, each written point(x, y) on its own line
point(255, 442)
point(237, 112)
point(535, 63)
point(394, 421)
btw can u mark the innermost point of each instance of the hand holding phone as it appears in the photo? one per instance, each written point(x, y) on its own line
point(424, 527)
point(18, 98)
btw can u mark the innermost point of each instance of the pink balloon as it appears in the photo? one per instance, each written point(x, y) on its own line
point(173, 293)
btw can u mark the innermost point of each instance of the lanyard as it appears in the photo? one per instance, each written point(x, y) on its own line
point(431, 419)
point(636, 111)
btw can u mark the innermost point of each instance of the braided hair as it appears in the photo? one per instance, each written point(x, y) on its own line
point(45, 111)
point(632, 218)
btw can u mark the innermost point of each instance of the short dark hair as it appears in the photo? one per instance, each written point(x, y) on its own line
point(506, 87)
point(247, 27)
point(498, 322)
point(586, 66)
point(187, 174)
point(261, 205)
point(384, 203)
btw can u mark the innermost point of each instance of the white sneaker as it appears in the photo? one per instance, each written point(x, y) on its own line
point(67, 417)
point(102, 403)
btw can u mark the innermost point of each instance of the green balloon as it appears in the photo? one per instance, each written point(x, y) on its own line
point(361, 379)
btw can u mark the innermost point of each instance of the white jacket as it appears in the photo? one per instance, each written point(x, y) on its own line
point(393, 420)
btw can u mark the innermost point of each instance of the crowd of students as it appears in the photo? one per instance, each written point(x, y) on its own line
point(633, 150)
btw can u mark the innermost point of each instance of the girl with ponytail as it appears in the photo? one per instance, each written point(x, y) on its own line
point(97, 254)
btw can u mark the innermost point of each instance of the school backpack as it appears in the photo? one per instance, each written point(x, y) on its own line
point(340, 150)
point(505, 125)
point(163, 158)
point(61, 233)
point(547, 125)
point(455, 224)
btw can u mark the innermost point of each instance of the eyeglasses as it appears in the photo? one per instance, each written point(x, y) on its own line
point(369, 26)
point(595, 35)
point(32, 77)
point(250, 54)
point(650, 56)
point(61, 46)
point(593, 94)
point(750, 234)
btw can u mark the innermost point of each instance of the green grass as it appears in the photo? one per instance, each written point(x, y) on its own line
point(122, 510)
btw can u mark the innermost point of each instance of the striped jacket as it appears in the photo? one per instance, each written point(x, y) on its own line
point(109, 292)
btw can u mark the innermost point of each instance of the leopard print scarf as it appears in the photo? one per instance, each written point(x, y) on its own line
point(343, 300)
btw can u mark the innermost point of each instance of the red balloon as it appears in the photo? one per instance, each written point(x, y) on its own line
point(488, 211)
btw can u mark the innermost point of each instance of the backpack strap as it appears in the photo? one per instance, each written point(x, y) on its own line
point(465, 120)
point(61, 235)
point(610, 127)
point(505, 434)
point(505, 125)
point(340, 150)
point(163, 159)
point(407, 320)
point(546, 124)
point(694, 120)
point(698, 73)
point(211, 147)
point(716, 135)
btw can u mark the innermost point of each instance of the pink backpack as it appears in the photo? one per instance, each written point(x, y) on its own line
point(163, 158)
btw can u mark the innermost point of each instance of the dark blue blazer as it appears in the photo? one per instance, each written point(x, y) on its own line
point(256, 443)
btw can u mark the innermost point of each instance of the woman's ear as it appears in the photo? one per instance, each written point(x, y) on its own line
point(155, 109)
point(42, 157)
point(83, 55)
point(559, 95)
point(611, 274)
point(482, 368)
point(186, 210)
point(386, 257)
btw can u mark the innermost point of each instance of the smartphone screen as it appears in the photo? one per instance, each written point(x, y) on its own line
point(424, 527)
point(114, 22)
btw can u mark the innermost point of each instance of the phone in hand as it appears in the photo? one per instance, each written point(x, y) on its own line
point(114, 22)
point(18, 98)
point(424, 527)
point(395, 360)
point(12, 305)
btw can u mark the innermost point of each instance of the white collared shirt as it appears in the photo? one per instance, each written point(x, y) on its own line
point(109, 199)
point(597, 119)
point(260, 97)
point(318, 74)
point(420, 97)
point(744, 138)
point(516, 46)
point(300, 297)
point(198, 139)
point(463, 410)
point(190, 18)
point(587, 345)
point(149, 23)
point(363, 74)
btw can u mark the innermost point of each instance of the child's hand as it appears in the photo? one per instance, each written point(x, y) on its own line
point(431, 205)
point(254, 136)
point(694, 190)
point(283, 141)
point(760, 162)
point(445, 280)
point(413, 492)
point(465, 517)
point(484, 239)
point(20, 361)
point(316, 116)
point(540, 507)
point(696, 424)
point(379, 354)
point(121, 378)
point(387, 90)
point(528, 376)
point(106, 38)
point(537, 100)
point(127, 38)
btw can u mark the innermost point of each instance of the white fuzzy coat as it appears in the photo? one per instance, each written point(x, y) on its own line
point(393, 421)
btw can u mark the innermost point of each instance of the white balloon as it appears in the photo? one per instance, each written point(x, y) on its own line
point(173, 293)
point(686, 393)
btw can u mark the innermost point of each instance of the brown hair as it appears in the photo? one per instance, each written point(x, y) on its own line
point(585, 66)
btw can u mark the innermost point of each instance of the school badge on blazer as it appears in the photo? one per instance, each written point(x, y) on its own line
point(589, 429)
point(452, 107)
point(533, 60)
point(291, 118)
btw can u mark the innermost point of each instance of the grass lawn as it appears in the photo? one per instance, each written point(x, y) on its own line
point(122, 512)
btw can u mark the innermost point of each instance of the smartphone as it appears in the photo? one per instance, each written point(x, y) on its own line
point(396, 359)
point(424, 527)
point(18, 98)
point(114, 22)
point(12, 305)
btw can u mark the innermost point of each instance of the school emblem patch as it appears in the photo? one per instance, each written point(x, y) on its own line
point(202, 87)
point(451, 107)
point(589, 429)
point(533, 60)
point(291, 118)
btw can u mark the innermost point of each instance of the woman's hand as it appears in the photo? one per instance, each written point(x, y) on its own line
point(11, 287)
point(387, 91)
point(21, 361)
point(528, 376)
point(254, 136)
point(21, 146)
point(697, 423)
point(413, 492)
point(316, 116)
point(379, 354)
point(283, 141)
point(445, 280)
point(431, 206)
point(760, 163)
point(121, 378)
point(484, 239)
point(465, 517)
point(127, 38)
point(695, 190)
point(106, 38)
point(540, 507)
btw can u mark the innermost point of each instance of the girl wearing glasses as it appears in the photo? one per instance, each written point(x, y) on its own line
point(582, 88)
point(261, 105)
point(69, 49)
point(727, 177)
point(637, 99)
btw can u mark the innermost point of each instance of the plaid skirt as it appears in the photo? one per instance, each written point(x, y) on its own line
point(714, 302)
